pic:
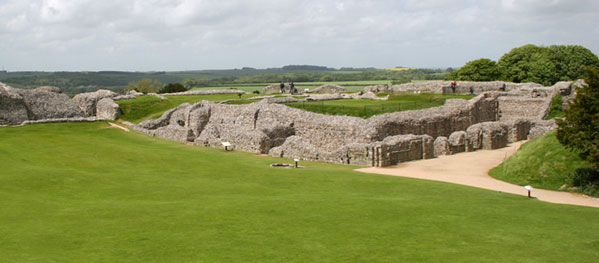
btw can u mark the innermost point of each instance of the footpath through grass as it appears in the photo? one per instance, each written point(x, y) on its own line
point(369, 108)
point(82, 192)
point(542, 163)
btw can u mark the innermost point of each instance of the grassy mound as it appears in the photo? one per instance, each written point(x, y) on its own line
point(82, 192)
point(542, 163)
point(369, 108)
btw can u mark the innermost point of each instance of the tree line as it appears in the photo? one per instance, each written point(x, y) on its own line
point(530, 63)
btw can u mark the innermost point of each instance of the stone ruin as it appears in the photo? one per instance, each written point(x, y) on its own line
point(444, 87)
point(327, 88)
point(489, 121)
point(48, 104)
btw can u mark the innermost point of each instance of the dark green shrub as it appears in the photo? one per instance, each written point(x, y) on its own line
point(587, 179)
point(172, 87)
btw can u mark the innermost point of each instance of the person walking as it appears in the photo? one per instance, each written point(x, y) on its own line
point(291, 88)
point(453, 86)
point(282, 87)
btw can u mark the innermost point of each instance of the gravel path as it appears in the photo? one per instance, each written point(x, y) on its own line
point(471, 169)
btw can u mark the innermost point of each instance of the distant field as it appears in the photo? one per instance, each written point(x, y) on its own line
point(83, 192)
point(368, 108)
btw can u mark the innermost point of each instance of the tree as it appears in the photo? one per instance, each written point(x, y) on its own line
point(173, 87)
point(579, 129)
point(145, 86)
point(546, 65)
point(570, 61)
point(482, 69)
point(515, 65)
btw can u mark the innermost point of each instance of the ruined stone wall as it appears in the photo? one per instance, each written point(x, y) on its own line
point(48, 104)
point(279, 130)
point(455, 115)
point(20, 105)
point(514, 107)
point(444, 87)
point(488, 121)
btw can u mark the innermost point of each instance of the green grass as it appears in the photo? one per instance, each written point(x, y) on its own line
point(542, 163)
point(368, 108)
point(556, 109)
point(81, 192)
point(149, 107)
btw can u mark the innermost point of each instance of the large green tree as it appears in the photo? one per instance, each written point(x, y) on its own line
point(546, 65)
point(580, 129)
point(482, 69)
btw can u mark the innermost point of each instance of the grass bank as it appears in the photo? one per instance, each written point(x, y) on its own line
point(149, 107)
point(543, 163)
point(82, 192)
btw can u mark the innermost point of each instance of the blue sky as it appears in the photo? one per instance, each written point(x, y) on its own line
point(140, 35)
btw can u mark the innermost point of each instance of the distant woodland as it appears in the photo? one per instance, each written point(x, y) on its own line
point(78, 82)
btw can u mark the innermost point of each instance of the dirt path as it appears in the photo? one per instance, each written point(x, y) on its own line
point(118, 126)
point(471, 169)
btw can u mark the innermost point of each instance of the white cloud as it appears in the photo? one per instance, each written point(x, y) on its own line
point(188, 34)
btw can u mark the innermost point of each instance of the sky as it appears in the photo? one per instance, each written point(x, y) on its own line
point(157, 35)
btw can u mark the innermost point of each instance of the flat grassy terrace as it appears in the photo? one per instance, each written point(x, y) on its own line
point(369, 108)
point(82, 192)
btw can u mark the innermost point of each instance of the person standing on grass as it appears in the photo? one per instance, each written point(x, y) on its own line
point(453, 86)
point(291, 88)
point(282, 86)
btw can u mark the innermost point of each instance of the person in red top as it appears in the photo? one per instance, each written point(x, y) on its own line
point(453, 86)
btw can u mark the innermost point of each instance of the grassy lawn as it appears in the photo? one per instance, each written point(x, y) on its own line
point(542, 162)
point(368, 108)
point(149, 107)
point(81, 192)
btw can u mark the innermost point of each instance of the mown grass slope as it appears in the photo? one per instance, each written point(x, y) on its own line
point(82, 192)
point(542, 163)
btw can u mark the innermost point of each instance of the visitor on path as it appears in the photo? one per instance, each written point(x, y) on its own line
point(503, 87)
point(471, 91)
point(291, 88)
point(453, 86)
point(282, 86)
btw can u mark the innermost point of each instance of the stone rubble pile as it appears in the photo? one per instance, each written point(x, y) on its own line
point(329, 88)
point(20, 105)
